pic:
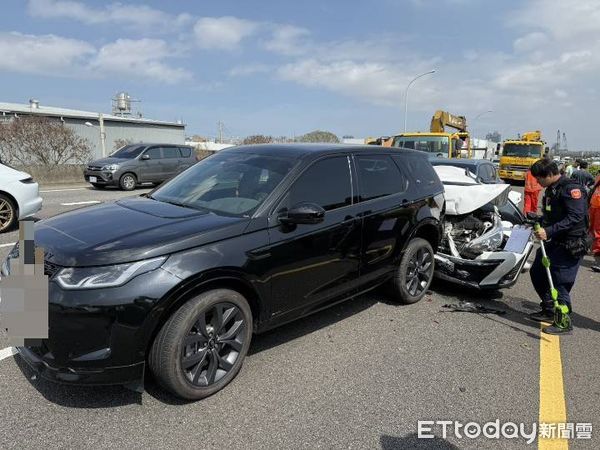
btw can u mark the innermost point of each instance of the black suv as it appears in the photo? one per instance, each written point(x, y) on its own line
point(139, 163)
point(246, 240)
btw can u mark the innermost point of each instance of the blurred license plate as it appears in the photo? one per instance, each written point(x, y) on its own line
point(93, 179)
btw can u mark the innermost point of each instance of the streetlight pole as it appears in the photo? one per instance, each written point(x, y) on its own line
point(481, 114)
point(477, 117)
point(102, 133)
point(406, 95)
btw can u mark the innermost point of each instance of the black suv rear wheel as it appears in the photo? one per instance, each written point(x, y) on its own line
point(200, 349)
point(414, 273)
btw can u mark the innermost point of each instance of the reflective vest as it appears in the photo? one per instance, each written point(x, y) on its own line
point(595, 199)
point(531, 184)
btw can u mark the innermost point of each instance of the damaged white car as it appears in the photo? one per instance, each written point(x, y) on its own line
point(477, 249)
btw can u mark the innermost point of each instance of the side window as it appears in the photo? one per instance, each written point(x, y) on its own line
point(494, 173)
point(154, 153)
point(485, 173)
point(325, 183)
point(420, 170)
point(186, 152)
point(378, 176)
point(171, 152)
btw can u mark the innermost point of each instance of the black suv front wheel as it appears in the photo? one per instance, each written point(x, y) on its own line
point(200, 349)
point(414, 273)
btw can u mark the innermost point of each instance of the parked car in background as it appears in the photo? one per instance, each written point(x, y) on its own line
point(135, 164)
point(246, 240)
point(19, 197)
point(484, 170)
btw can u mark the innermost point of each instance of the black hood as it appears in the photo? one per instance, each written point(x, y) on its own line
point(128, 230)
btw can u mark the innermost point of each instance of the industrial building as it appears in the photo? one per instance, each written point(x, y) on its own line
point(103, 131)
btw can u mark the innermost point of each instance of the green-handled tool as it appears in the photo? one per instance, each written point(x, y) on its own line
point(561, 312)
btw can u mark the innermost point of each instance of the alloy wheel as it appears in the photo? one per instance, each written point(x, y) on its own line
point(128, 182)
point(6, 214)
point(213, 344)
point(419, 271)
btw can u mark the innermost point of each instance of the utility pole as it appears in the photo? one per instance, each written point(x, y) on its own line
point(220, 126)
point(102, 134)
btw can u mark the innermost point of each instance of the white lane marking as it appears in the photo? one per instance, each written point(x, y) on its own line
point(8, 352)
point(6, 245)
point(63, 190)
point(81, 203)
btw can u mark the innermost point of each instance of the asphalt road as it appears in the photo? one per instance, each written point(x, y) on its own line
point(359, 375)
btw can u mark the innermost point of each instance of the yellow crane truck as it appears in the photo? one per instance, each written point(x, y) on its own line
point(437, 141)
point(519, 154)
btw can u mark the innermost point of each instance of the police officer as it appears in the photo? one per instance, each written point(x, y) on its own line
point(564, 230)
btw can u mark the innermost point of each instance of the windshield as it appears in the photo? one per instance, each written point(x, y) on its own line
point(529, 150)
point(230, 183)
point(128, 152)
point(429, 144)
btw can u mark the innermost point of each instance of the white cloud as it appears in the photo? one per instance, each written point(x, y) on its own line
point(375, 82)
point(224, 33)
point(143, 58)
point(530, 42)
point(563, 19)
point(249, 69)
point(46, 54)
point(58, 56)
point(288, 40)
point(139, 16)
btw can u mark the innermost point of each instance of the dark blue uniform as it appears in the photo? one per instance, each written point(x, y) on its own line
point(565, 221)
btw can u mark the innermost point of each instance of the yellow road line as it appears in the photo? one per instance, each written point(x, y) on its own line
point(552, 395)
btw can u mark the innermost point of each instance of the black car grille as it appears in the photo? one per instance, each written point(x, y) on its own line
point(94, 168)
point(50, 269)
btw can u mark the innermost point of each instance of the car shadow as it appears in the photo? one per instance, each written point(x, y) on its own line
point(71, 396)
point(498, 300)
point(588, 262)
point(518, 315)
point(412, 441)
point(315, 322)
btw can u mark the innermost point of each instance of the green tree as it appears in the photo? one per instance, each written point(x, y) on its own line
point(257, 139)
point(494, 137)
point(319, 136)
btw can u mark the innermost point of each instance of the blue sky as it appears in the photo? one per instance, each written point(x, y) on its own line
point(285, 68)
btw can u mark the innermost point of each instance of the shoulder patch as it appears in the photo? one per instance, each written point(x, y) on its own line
point(576, 193)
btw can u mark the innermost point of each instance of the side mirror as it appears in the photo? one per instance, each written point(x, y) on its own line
point(546, 151)
point(145, 156)
point(304, 213)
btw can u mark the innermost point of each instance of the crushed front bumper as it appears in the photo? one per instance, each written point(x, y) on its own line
point(489, 271)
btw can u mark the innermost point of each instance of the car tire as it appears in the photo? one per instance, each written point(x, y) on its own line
point(196, 354)
point(8, 213)
point(98, 186)
point(127, 182)
point(414, 274)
